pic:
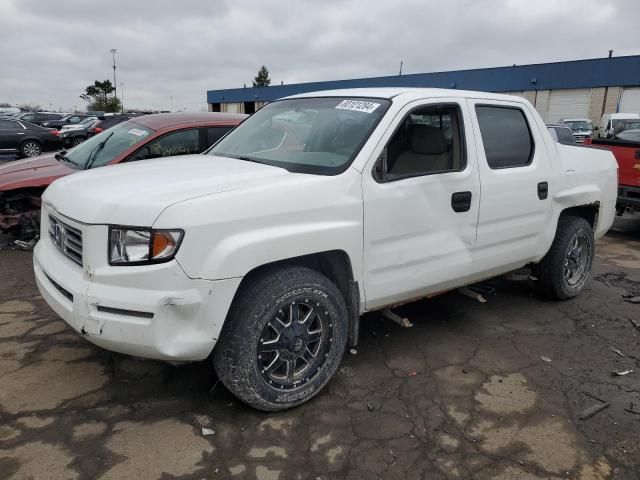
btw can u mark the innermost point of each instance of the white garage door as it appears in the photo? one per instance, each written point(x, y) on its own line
point(630, 100)
point(568, 103)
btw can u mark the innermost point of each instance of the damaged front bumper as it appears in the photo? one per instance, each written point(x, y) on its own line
point(152, 311)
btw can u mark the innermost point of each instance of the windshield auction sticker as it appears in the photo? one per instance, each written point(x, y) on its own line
point(138, 132)
point(358, 106)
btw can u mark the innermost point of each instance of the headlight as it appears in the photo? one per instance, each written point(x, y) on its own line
point(142, 246)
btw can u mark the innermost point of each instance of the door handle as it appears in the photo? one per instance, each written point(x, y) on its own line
point(461, 201)
point(543, 190)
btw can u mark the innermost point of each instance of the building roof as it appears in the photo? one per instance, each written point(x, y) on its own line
point(595, 72)
point(163, 120)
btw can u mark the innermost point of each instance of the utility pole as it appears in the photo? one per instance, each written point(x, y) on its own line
point(115, 85)
point(606, 91)
point(122, 97)
point(400, 74)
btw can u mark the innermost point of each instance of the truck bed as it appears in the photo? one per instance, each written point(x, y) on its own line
point(628, 157)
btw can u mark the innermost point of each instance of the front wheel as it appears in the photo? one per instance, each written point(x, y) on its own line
point(283, 339)
point(565, 268)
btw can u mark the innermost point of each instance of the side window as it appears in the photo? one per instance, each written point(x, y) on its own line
point(74, 119)
point(182, 142)
point(28, 118)
point(429, 140)
point(565, 136)
point(506, 136)
point(215, 133)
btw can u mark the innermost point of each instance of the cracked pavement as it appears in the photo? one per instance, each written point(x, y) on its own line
point(473, 390)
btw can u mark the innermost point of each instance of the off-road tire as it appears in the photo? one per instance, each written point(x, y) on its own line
point(254, 309)
point(550, 272)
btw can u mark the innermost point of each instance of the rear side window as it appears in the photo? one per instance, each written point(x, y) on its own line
point(506, 136)
point(565, 136)
point(215, 133)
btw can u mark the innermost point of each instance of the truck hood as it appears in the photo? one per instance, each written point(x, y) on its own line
point(32, 172)
point(136, 193)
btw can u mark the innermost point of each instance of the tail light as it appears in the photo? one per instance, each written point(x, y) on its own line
point(55, 132)
point(95, 130)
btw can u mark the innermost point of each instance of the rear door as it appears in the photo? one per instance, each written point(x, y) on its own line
point(8, 135)
point(421, 201)
point(516, 184)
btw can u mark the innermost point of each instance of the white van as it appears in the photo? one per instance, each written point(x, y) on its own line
point(610, 123)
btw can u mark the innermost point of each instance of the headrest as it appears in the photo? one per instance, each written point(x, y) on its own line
point(427, 140)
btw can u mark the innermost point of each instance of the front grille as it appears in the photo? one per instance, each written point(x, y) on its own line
point(66, 238)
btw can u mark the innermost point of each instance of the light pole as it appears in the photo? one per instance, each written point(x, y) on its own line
point(122, 95)
point(115, 85)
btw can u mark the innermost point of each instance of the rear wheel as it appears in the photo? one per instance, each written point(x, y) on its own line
point(565, 268)
point(77, 141)
point(283, 339)
point(30, 148)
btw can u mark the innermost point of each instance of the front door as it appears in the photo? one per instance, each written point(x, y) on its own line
point(421, 199)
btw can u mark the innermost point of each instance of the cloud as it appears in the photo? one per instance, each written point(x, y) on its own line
point(170, 53)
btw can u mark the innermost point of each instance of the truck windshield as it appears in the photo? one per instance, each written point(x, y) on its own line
point(306, 135)
point(577, 126)
point(123, 136)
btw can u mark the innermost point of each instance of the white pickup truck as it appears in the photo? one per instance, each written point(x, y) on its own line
point(264, 251)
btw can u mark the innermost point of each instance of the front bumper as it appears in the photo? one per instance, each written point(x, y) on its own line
point(152, 311)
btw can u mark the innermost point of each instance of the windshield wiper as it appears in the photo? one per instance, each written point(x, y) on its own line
point(61, 156)
point(96, 151)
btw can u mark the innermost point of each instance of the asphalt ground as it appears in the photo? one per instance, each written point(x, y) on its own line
point(490, 390)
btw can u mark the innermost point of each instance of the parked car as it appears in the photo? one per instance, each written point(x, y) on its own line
point(611, 122)
point(580, 127)
point(629, 136)
point(625, 146)
point(37, 118)
point(9, 111)
point(271, 245)
point(74, 135)
point(106, 122)
point(72, 119)
point(27, 139)
point(561, 134)
point(628, 125)
point(145, 137)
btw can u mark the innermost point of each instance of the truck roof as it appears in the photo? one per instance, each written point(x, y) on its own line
point(392, 92)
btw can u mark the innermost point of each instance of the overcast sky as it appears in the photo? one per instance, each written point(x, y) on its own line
point(51, 50)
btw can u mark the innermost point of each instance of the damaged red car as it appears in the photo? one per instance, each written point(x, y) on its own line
point(151, 136)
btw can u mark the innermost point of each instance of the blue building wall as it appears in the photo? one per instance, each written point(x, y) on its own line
point(596, 72)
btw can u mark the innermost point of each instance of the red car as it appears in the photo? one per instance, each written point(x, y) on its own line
point(141, 138)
